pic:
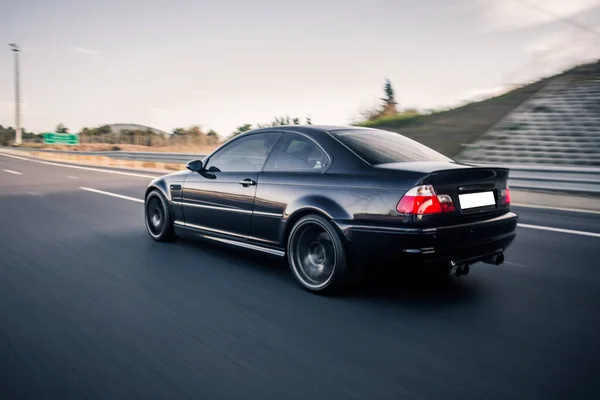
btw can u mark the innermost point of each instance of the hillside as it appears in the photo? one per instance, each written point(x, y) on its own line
point(447, 131)
point(559, 125)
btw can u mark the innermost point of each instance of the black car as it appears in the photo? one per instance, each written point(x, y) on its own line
point(338, 202)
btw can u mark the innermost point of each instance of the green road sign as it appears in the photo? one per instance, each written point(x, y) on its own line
point(61, 138)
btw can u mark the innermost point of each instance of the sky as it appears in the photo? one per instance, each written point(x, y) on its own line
point(220, 64)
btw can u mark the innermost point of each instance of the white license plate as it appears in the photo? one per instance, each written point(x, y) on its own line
point(473, 200)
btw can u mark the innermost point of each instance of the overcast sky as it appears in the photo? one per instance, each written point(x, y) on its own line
point(223, 63)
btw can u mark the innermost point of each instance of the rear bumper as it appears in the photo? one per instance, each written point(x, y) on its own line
point(465, 243)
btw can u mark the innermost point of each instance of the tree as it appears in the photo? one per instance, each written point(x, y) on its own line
point(60, 128)
point(242, 129)
point(389, 93)
point(7, 135)
point(195, 131)
point(308, 121)
point(280, 121)
point(85, 131)
point(104, 129)
point(212, 137)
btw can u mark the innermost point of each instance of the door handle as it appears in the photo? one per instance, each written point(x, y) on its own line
point(247, 182)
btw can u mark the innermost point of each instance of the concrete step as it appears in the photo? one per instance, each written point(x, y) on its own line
point(539, 149)
point(537, 143)
point(536, 154)
point(543, 138)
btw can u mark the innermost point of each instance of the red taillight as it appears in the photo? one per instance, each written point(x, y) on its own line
point(446, 202)
point(506, 196)
point(423, 200)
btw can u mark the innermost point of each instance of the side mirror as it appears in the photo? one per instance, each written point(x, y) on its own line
point(195, 166)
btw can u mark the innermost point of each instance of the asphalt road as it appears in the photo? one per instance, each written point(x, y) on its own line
point(91, 307)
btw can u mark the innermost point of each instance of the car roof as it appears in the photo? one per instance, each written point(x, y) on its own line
point(308, 129)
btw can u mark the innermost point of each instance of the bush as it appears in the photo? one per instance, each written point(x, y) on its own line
point(392, 120)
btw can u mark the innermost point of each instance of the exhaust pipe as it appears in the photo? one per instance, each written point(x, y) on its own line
point(496, 259)
point(458, 270)
point(454, 269)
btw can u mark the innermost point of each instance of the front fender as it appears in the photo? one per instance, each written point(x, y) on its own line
point(171, 187)
point(161, 185)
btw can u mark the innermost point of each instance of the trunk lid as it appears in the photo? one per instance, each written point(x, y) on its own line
point(425, 167)
point(475, 191)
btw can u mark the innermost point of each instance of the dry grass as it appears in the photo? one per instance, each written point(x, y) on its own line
point(103, 161)
point(124, 147)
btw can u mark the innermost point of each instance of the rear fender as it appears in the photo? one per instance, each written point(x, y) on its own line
point(308, 205)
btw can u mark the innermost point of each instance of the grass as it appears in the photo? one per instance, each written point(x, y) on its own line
point(397, 120)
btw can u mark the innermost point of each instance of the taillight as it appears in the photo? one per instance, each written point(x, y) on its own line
point(423, 200)
point(505, 196)
point(446, 202)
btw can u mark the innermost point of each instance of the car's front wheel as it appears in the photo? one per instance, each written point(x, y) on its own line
point(317, 257)
point(159, 222)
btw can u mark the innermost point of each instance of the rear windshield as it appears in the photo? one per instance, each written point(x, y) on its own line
point(380, 147)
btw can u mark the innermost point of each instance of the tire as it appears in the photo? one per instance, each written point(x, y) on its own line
point(157, 214)
point(317, 257)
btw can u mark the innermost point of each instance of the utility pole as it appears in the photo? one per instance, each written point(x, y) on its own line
point(16, 49)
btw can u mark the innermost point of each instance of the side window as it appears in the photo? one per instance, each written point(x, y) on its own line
point(298, 153)
point(246, 154)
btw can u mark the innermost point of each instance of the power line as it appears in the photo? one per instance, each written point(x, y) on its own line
point(558, 17)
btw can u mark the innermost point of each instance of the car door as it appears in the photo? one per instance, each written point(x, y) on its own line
point(294, 169)
point(221, 198)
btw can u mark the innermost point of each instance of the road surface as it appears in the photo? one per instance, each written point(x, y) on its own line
point(91, 307)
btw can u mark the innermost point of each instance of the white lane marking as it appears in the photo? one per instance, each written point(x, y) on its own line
point(107, 171)
point(515, 264)
point(17, 157)
point(548, 228)
point(71, 177)
point(120, 196)
point(555, 208)
point(10, 171)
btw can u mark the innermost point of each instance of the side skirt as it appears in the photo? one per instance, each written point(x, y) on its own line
point(200, 231)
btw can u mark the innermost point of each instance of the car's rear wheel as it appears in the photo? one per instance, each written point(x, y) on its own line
point(159, 222)
point(317, 257)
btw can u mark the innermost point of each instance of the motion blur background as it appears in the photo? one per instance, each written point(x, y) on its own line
point(87, 306)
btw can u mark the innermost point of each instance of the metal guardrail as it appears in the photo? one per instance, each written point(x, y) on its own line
point(582, 180)
point(175, 158)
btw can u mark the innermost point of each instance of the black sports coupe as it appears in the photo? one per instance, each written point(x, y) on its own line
point(338, 202)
